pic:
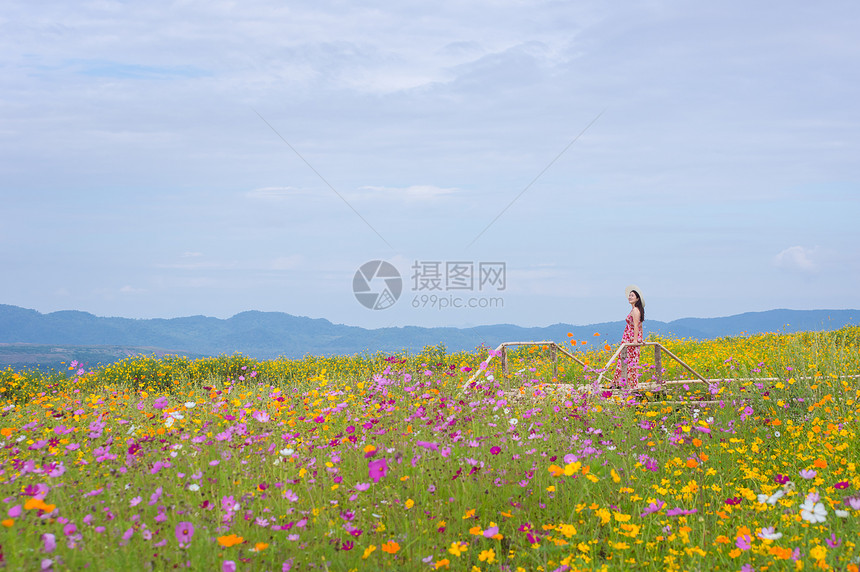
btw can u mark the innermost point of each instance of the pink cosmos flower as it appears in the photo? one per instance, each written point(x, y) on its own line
point(49, 541)
point(491, 532)
point(184, 532)
point(378, 468)
point(653, 507)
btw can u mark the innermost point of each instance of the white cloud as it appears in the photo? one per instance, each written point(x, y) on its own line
point(410, 193)
point(276, 193)
point(131, 290)
point(798, 258)
point(286, 262)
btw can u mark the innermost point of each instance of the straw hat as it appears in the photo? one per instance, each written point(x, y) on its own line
point(638, 291)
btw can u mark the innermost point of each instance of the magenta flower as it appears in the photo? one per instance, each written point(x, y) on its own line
point(743, 542)
point(808, 474)
point(841, 485)
point(495, 450)
point(833, 542)
point(653, 507)
point(49, 541)
point(228, 566)
point(377, 468)
point(184, 532)
point(681, 511)
point(160, 403)
point(428, 445)
point(261, 416)
point(734, 501)
point(781, 479)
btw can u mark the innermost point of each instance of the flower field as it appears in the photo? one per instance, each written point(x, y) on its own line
point(395, 462)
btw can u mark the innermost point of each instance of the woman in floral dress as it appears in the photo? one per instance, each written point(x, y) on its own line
point(632, 333)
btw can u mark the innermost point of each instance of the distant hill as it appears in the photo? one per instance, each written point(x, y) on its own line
point(265, 335)
point(58, 357)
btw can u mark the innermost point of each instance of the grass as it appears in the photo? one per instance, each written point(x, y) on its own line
point(381, 462)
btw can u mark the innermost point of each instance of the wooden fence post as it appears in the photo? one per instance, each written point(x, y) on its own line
point(624, 364)
point(554, 361)
point(658, 365)
point(504, 360)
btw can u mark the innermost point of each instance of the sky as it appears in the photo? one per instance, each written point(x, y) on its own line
point(511, 161)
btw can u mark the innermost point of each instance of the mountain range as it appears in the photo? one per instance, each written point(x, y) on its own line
point(28, 337)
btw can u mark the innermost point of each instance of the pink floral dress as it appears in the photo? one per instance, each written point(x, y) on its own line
point(632, 357)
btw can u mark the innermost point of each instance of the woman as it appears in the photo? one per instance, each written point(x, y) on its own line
point(632, 333)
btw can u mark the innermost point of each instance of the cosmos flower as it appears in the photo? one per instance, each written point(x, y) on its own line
point(184, 532)
point(813, 512)
point(769, 533)
point(377, 469)
point(772, 499)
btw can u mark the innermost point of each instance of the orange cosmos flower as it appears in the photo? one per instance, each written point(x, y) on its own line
point(230, 540)
point(390, 547)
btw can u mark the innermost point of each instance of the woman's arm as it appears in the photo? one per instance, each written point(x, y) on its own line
point(637, 323)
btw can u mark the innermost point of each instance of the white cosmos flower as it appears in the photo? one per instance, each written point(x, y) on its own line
point(769, 533)
point(841, 513)
point(514, 421)
point(813, 512)
point(169, 422)
point(196, 487)
point(189, 404)
point(286, 452)
point(771, 499)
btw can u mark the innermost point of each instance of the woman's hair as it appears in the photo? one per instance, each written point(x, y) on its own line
point(640, 305)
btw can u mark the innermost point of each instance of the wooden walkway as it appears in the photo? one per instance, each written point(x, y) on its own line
point(657, 387)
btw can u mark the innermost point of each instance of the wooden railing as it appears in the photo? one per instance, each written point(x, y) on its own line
point(502, 352)
point(658, 360)
point(659, 350)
